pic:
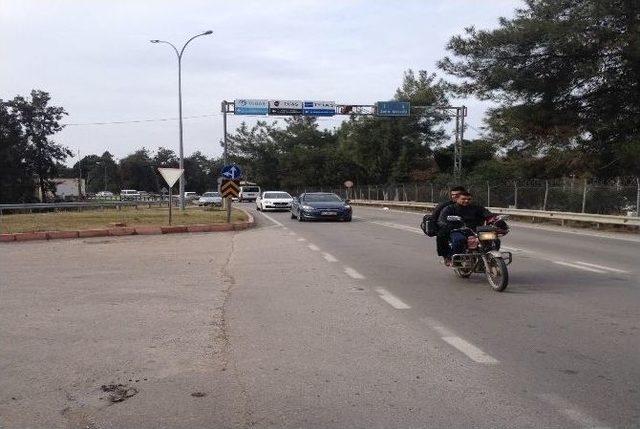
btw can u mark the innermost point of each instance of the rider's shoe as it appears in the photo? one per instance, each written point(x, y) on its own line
point(447, 262)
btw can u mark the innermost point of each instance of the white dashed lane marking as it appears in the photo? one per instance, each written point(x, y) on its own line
point(313, 247)
point(572, 412)
point(579, 267)
point(602, 267)
point(471, 351)
point(391, 299)
point(329, 257)
point(353, 273)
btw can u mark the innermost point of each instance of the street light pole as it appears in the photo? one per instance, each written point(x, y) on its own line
point(179, 55)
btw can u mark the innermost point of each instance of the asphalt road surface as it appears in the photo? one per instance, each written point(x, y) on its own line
point(564, 337)
point(318, 325)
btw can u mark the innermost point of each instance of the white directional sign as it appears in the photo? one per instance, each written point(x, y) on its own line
point(171, 175)
point(251, 107)
point(285, 107)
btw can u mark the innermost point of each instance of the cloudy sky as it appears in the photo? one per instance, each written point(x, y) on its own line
point(95, 59)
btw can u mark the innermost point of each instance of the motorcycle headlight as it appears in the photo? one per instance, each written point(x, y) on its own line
point(347, 207)
point(487, 235)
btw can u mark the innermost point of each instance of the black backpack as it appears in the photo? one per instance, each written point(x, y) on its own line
point(429, 226)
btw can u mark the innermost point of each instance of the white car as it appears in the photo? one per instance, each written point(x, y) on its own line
point(274, 200)
point(210, 199)
point(104, 194)
point(249, 193)
point(129, 194)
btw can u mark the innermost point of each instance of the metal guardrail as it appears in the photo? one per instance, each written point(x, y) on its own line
point(524, 213)
point(78, 205)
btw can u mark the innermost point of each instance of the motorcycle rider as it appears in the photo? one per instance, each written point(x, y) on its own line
point(472, 215)
point(442, 237)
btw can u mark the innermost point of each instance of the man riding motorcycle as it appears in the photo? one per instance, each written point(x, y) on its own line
point(430, 225)
point(472, 215)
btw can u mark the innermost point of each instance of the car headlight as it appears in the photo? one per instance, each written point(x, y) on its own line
point(348, 207)
point(306, 207)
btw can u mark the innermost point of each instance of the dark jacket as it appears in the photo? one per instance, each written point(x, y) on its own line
point(472, 215)
point(435, 214)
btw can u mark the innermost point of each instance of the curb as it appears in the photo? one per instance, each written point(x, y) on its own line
point(130, 230)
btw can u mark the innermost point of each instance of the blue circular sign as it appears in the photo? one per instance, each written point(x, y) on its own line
point(231, 171)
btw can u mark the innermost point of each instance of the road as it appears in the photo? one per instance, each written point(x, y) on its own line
point(564, 335)
point(319, 325)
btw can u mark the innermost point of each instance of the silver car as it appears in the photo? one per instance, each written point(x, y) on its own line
point(210, 199)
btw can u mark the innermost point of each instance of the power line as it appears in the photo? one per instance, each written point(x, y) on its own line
point(137, 121)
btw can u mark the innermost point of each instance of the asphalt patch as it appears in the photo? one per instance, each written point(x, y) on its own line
point(119, 392)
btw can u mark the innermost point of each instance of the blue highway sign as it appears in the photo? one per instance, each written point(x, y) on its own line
point(393, 108)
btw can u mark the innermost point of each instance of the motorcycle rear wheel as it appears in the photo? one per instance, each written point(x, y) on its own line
point(497, 273)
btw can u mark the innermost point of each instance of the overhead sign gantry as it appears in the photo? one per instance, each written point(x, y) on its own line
point(390, 109)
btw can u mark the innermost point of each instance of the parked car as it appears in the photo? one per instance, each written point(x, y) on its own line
point(210, 199)
point(129, 194)
point(249, 193)
point(320, 205)
point(104, 194)
point(274, 200)
point(191, 196)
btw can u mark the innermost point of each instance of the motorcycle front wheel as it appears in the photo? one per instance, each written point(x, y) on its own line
point(497, 273)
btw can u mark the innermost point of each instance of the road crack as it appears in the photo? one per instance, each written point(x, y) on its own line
point(228, 363)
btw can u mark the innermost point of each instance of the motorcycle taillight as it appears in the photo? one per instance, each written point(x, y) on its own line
point(472, 242)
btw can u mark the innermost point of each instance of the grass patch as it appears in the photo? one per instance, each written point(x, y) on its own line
point(94, 219)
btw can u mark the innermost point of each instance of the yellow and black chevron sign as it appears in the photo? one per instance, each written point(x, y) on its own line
point(230, 188)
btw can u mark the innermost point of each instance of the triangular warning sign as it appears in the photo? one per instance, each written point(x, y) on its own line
point(171, 175)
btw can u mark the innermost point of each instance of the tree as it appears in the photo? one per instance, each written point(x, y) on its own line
point(137, 171)
point(38, 122)
point(399, 149)
point(567, 76)
point(16, 181)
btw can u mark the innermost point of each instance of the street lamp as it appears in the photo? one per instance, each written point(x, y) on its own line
point(179, 54)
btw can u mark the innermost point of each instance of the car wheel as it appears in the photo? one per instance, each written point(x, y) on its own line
point(348, 219)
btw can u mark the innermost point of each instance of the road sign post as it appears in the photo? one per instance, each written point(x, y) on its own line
point(229, 189)
point(170, 175)
point(230, 185)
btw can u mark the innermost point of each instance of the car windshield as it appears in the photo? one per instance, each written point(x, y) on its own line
point(211, 194)
point(274, 195)
point(322, 198)
point(250, 189)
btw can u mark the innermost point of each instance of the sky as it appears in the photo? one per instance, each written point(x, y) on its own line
point(95, 59)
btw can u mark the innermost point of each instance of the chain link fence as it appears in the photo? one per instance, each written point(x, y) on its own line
point(612, 197)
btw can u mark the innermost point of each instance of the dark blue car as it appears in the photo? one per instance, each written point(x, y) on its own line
point(320, 205)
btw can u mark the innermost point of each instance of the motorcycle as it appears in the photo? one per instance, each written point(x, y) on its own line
point(483, 253)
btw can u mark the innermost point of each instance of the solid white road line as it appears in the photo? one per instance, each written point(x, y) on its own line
point(272, 219)
point(570, 411)
point(392, 300)
point(602, 267)
point(473, 352)
point(313, 247)
point(579, 267)
point(353, 273)
point(329, 257)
